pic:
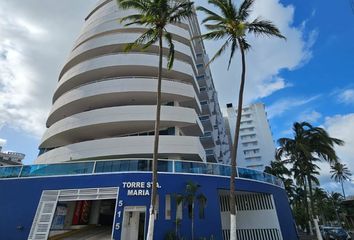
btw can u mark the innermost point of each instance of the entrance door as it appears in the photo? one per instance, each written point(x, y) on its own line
point(134, 223)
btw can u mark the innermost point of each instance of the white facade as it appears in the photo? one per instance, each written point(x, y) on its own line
point(256, 147)
point(105, 102)
point(10, 158)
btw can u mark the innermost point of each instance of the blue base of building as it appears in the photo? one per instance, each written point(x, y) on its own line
point(20, 198)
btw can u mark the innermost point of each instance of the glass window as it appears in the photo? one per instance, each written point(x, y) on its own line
point(168, 207)
point(204, 118)
point(202, 204)
point(201, 77)
point(10, 172)
point(57, 169)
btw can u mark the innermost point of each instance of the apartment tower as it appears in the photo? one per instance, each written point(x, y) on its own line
point(256, 147)
point(105, 102)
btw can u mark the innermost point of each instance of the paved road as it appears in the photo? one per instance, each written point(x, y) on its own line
point(304, 236)
point(99, 233)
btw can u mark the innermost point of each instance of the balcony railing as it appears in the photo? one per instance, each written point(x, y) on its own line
point(133, 165)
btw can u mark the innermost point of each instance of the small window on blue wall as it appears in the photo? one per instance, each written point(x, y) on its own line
point(202, 204)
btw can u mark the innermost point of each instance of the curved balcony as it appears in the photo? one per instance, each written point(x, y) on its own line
point(134, 166)
point(122, 65)
point(119, 121)
point(125, 91)
point(116, 43)
point(94, 30)
point(109, 7)
point(137, 146)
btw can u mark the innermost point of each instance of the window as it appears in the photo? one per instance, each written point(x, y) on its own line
point(168, 207)
point(207, 134)
point(251, 151)
point(202, 89)
point(253, 158)
point(204, 118)
point(203, 102)
point(201, 77)
point(202, 204)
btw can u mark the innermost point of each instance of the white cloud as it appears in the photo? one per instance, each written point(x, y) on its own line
point(32, 51)
point(342, 127)
point(281, 106)
point(2, 142)
point(35, 40)
point(310, 116)
point(267, 57)
point(346, 96)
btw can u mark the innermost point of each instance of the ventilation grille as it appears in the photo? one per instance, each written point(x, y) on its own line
point(253, 234)
point(247, 202)
point(44, 215)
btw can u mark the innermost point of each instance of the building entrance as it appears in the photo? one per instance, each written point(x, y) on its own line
point(75, 213)
point(134, 223)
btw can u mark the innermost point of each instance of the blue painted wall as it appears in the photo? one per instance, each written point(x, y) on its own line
point(19, 199)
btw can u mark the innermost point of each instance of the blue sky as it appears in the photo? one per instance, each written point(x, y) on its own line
point(308, 77)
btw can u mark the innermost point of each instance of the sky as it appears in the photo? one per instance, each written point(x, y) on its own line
point(308, 77)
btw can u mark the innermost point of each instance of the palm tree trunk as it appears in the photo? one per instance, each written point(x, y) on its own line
point(150, 233)
point(311, 195)
point(306, 207)
point(311, 198)
point(234, 148)
point(343, 188)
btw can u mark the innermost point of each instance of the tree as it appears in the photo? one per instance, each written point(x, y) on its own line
point(277, 168)
point(155, 15)
point(322, 207)
point(190, 196)
point(233, 26)
point(340, 173)
point(336, 199)
point(308, 145)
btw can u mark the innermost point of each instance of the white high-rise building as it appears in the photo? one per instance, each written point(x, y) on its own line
point(256, 148)
point(105, 102)
point(10, 158)
point(93, 171)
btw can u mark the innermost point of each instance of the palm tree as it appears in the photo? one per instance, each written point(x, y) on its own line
point(320, 199)
point(309, 144)
point(155, 15)
point(277, 168)
point(233, 26)
point(190, 197)
point(340, 173)
point(336, 199)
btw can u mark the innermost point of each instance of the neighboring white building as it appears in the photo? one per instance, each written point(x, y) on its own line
point(10, 158)
point(256, 148)
point(104, 104)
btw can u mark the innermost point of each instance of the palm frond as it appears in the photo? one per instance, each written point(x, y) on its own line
point(244, 10)
point(234, 46)
point(264, 27)
point(140, 5)
point(211, 16)
point(144, 41)
point(171, 53)
point(219, 52)
point(181, 11)
point(222, 5)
